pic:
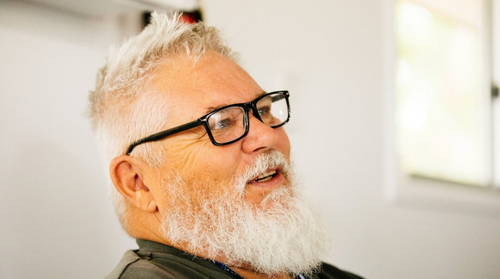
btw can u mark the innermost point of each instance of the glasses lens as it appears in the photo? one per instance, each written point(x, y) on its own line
point(273, 109)
point(227, 125)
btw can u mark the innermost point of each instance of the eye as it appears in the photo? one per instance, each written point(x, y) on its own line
point(222, 124)
point(264, 111)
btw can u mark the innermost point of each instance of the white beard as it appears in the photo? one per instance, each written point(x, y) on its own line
point(282, 235)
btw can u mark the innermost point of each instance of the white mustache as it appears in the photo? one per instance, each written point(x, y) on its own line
point(262, 164)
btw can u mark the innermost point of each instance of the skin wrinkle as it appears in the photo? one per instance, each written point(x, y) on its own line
point(190, 145)
point(190, 154)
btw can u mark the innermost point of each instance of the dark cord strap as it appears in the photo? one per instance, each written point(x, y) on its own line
point(226, 268)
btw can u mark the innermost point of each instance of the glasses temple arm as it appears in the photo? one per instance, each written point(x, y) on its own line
point(164, 134)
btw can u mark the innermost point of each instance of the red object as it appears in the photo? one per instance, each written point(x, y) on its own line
point(188, 19)
point(191, 17)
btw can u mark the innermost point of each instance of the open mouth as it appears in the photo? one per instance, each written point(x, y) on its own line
point(266, 176)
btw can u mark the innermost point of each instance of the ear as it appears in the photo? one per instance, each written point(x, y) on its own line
point(128, 174)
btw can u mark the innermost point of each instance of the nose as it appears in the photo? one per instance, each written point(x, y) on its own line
point(261, 137)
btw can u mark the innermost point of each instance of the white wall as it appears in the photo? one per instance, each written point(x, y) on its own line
point(55, 217)
point(54, 209)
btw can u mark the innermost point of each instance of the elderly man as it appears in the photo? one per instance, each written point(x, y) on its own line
point(199, 160)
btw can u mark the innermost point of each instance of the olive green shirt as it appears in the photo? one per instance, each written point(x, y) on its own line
point(158, 261)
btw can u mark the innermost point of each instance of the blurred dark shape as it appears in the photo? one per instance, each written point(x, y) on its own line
point(187, 17)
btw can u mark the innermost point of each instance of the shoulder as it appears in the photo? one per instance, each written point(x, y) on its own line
point(128, 258)
point(136, 265)
point(133, 266)
point(331, 272)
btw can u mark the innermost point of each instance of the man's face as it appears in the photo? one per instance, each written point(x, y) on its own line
point(232, 203)
point(193, 91)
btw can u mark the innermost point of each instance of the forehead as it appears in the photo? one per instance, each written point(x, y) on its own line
point(213, 81)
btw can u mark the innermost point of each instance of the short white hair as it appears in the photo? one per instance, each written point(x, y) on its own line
point(122, 110)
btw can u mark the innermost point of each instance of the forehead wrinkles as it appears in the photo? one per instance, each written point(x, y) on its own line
point(213, 74)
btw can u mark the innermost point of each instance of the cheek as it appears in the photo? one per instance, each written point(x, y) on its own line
point(221, 163)
point(203, 172)
point(216, 169)
point(205, 163)
point(283, 143)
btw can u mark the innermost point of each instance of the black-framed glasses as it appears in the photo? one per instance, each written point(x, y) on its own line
point(230, 123)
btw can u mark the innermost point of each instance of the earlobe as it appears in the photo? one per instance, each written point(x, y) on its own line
point(127, 175)
point(144, 199)
point(152, 207)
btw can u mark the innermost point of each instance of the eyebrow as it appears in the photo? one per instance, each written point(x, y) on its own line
point(210, 109)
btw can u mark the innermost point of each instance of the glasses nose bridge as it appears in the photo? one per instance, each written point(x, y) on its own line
point(252, 106)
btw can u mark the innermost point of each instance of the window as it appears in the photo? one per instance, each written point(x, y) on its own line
point(444, 127)
point(443, 100)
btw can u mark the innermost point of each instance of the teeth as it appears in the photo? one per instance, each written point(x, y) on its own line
point(265, 179)
point(265, 176)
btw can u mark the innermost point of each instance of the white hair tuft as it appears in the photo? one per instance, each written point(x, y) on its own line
point(122, 110)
